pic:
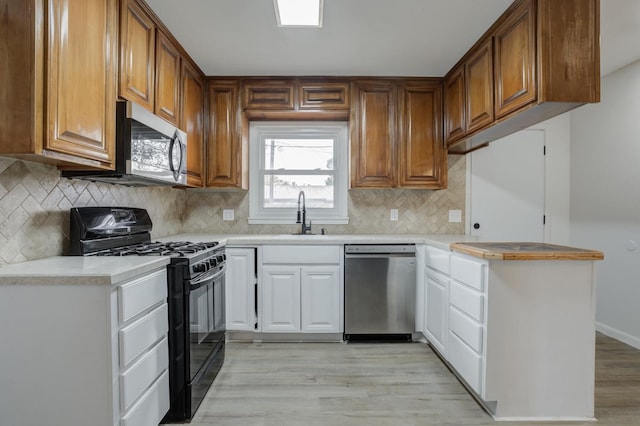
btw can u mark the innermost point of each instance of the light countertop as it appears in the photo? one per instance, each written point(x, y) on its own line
point(437, 240)
point(80, 270)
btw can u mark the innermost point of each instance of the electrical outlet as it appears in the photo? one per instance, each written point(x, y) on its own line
point(394, 215)
point(228, 214)
point(455, 215)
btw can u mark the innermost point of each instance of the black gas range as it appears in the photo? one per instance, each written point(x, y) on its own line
point(195, 279)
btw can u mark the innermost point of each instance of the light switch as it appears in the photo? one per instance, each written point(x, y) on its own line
point(228, 214)
point(455, 215)
point(394, 215)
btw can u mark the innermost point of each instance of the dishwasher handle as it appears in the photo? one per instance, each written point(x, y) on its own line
point(378, 255)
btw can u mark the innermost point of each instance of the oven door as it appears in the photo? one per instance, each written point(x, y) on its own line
point(206, 317)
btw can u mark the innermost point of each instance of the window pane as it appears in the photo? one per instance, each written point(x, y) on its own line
point(298, 154)
point(281, 191)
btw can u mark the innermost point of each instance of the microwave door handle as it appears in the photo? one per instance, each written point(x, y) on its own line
point(172, 167)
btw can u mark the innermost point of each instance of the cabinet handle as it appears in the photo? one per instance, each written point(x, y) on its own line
point(476, 225)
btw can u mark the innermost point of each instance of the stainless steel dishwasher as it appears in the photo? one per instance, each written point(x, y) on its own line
point(380, 289)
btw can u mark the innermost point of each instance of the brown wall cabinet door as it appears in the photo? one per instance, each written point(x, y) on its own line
point(167, 100)
point(323, 95)
point(479, 89)
point(193, 123)
point(421, 148)
point(227, 157)
point(81, 85)
point(515, 60)
point(454, 105)
point(269, 95)
point(137, 55)
point(373, 135)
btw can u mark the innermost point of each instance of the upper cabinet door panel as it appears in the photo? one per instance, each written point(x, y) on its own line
point(81, 89)
point(421, 149)
point(269, 95)
point(373, 129)
point(193, 123)
point(454, 104)
point(137, 55)
point(226, 156)
point(167, 99)
point(479, 89)
point(322, 95)
point(515, 60)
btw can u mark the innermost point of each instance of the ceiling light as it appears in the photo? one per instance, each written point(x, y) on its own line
point(299, 13)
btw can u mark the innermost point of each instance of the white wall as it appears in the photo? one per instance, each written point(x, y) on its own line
point(605, 198)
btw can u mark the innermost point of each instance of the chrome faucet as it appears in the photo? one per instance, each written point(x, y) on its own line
point(303, 218)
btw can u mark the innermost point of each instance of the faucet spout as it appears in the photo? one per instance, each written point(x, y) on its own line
point(301, 216)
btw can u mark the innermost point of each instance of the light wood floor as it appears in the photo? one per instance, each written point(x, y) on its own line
point(312, 384)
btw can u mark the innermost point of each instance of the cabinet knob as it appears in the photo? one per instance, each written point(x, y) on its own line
point(476, 225)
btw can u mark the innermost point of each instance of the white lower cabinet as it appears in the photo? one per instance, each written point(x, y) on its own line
point(87, 353)
point(320, 295)
point(280, 299)
point(436, 293)
point(240, 289)
point(437, 300)
point(302, 297)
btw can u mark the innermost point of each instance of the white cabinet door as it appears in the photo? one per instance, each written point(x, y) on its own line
point(280, 299)
point(437, 303)
point(321, 299)
point(240, 282)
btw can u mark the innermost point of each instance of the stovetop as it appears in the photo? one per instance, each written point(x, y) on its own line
point(174, 249)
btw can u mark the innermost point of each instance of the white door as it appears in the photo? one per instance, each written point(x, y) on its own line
point(280, 299)
point(507, 188)
point(321, 300)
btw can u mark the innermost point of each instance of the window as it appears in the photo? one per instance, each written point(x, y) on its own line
point(289, 157)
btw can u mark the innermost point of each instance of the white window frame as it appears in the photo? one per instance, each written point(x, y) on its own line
point(261, 130)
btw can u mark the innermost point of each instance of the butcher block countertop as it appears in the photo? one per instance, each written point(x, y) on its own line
point(525, 251)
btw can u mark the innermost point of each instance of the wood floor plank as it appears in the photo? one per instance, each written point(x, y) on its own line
point(363, 384)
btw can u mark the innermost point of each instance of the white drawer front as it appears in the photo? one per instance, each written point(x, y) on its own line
point(467, 300)
point(142, 373)
point(152, 407)
point(437, 259)
point(468, 271)
point(141, 334)
point(301, 254)
point(466, 362)
point(141, 294)
point(466, 329)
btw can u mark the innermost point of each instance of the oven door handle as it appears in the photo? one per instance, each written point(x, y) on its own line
point(209, 276)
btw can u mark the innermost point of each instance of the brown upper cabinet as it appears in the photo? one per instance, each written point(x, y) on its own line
point(296, 94)
point(193, 106)
point(540, 59)
point(396, 134)
point(58, 96)
point(515, 61)
point(168, 69)
point(317, 94)
point(227, 147)
point(137, 55)
point(422, 154)
point(373, 134)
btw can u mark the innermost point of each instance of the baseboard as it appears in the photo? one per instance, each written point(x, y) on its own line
point(618, 335)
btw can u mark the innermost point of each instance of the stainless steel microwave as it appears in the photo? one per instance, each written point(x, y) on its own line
point(149, 151)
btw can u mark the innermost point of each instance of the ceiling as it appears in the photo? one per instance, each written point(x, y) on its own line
point(361, 37)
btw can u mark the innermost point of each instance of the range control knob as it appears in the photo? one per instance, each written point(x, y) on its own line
point(200, 267)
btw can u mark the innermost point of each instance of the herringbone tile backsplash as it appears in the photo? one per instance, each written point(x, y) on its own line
point(35, 203)
point(420, 211)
